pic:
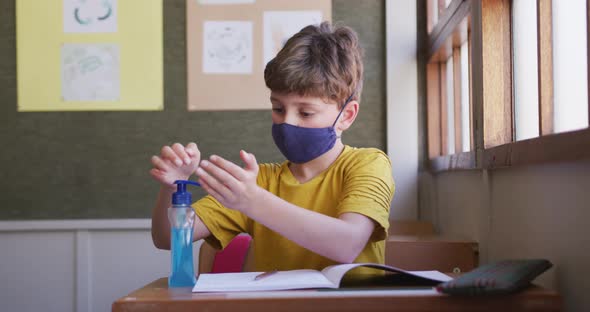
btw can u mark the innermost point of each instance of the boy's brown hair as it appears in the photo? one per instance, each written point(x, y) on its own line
point(322, 61)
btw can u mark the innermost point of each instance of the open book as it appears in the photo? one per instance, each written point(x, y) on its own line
point(330, 277)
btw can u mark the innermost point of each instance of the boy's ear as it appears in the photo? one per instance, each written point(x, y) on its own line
point(348, 116)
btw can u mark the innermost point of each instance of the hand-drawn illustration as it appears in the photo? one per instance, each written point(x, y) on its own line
point(224, 2)
point(90, 72)
point(227, 47)
point(281, 25)
point(90, 16)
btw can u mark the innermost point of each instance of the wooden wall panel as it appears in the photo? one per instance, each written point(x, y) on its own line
point(497, 68)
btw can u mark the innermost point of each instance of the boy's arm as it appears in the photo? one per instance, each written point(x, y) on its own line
point(340, 239)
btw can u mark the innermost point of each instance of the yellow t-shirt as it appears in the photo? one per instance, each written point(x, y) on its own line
point(359, 181)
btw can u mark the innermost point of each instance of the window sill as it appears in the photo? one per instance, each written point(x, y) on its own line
point(460, 161)
point(559, 147)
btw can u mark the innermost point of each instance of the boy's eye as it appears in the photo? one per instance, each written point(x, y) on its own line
point(277, 110)
point(306, 114)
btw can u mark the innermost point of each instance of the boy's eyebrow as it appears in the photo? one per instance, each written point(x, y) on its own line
point(273, 99)
point(307, 104)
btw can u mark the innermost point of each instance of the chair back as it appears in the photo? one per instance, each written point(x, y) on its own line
point(234, 258)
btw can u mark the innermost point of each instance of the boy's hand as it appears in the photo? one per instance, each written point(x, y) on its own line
point(233, 186)
point(175, 163)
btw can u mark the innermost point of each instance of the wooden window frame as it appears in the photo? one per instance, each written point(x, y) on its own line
point(545, 67)
point(433, 111)
point(444, 40)
point(491, 85)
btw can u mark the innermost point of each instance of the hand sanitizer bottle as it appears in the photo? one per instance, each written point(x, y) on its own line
point(182, 217)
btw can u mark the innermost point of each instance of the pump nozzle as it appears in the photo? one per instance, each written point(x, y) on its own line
point(181, 196)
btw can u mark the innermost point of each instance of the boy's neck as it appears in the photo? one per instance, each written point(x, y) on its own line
point(309, 170)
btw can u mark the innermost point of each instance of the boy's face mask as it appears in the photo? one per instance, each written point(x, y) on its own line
point(300, 145)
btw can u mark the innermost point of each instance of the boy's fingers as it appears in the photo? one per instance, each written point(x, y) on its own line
point(181, 153)
point(254, 161)
point(228, 166)
point(169, 153)
point(192, 149)
point(210, 190)
point(159, 163)
point(249, 159)
point(212, 182)
point(219, 174)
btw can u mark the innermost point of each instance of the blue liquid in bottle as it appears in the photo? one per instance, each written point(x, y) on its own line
point(183, 274)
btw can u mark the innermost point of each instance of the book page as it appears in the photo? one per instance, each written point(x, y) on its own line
point(330, 277)
point(335, 273)
point(295, 279)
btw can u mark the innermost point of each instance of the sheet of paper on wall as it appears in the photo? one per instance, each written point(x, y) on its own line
point(105, 55)
point(279, 26)
point(90, 72)
point(224, 2)
point(90, 16)
point(227, 47)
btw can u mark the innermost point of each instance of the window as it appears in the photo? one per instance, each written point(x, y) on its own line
point(526, 84)
point(465, 101)
point(570, 63)
point(448, 81)
point(506, 82)
point(432, 13)
point(450, 103)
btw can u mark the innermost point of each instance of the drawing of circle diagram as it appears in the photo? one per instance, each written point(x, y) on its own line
point(227, 46)
point(88, 12)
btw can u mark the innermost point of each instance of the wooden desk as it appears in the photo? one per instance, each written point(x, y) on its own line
point(157, 297)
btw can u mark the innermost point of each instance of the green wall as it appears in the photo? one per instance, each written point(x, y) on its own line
point(71, 165)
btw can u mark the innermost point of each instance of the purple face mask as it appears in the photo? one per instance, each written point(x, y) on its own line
point(300, 145)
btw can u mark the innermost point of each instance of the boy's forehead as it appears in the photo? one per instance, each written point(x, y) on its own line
point(294, 98)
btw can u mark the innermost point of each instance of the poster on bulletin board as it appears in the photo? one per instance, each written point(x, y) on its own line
point(229, 43)
point(89, 55)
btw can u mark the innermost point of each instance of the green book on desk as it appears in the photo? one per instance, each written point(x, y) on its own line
point(330, 277)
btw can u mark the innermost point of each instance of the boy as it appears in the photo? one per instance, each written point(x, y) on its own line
point(329, 202)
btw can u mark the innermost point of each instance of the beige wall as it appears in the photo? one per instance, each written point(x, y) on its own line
point(525, 212)
point(402, 106)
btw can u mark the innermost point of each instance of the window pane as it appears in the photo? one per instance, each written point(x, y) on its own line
point(434, 4)
point(570, 65)
point(526, 82)
point(465, 129)
point(450, 109)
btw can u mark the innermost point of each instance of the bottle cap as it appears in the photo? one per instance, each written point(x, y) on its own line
point(181, 196)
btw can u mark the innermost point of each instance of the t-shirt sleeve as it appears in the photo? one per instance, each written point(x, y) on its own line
point(368, 189)
point(223, 223)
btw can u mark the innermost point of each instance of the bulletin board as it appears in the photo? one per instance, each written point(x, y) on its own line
point(229, 43)
point(95, 164)
point(89, 55)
